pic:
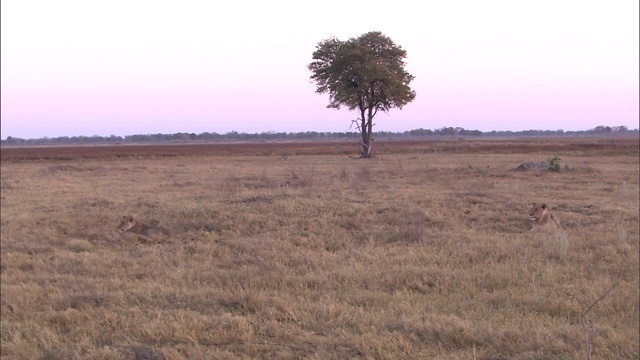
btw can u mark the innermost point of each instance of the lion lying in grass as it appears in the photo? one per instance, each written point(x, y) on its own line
point(129, 224)
point(543, 218)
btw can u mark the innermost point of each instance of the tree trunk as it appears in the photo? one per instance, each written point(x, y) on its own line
point(367, 140)
point(367, 148)
point(369, 130)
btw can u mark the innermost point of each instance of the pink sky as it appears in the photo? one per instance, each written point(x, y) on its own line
point(75, 68)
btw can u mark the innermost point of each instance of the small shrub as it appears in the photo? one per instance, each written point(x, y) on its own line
point(554, 163)
point(478, 170)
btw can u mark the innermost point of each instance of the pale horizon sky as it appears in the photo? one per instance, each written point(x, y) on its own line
point(84, 68)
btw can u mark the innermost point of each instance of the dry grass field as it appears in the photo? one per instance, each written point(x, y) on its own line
point(423, 252)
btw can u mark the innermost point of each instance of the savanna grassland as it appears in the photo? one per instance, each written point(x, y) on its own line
point(422, 252)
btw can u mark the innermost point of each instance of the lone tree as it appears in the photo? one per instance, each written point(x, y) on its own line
point(364, 73)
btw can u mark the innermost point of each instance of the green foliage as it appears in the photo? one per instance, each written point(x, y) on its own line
point(478, 170)
point(212, 137)
point(365, 74)
point(554, 163)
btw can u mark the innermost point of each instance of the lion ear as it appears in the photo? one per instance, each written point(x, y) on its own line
point(544, 206)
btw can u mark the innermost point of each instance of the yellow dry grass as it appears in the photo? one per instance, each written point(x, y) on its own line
point(415, 255)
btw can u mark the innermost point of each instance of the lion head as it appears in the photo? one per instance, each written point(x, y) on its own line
point(126, 223)
point(542, 216)
point(538, 211)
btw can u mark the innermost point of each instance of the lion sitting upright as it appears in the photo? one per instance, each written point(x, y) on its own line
point(543, 218)
point(129, 224)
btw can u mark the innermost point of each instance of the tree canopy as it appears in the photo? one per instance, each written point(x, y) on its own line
point(365, 74)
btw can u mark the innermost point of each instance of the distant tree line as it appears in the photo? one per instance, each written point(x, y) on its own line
point(234, 136)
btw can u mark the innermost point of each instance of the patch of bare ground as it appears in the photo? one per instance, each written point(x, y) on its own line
point(412, 254)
